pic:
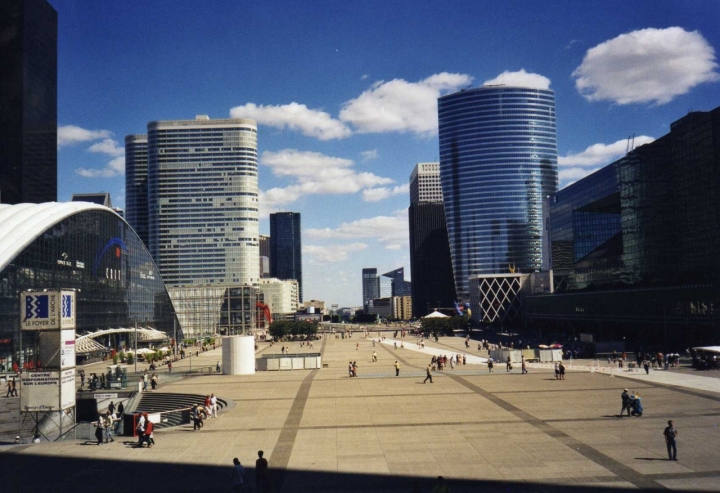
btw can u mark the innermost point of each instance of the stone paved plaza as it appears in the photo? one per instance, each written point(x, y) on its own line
point(324, 431)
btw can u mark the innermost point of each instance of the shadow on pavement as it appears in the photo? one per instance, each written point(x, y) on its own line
point(28, 472)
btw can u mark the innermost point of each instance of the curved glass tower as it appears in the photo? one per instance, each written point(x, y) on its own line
point(498, 160)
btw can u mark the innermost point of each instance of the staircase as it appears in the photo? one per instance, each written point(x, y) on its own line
point(9, 419)
point(166, 403)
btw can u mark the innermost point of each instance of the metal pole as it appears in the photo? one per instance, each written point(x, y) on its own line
point(135, 358)
point(175, 338)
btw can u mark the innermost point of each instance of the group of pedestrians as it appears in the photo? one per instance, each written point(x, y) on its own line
point(238, 477)
point(145, 429)
point(11, 388)
point(559, 370)
point(108, 423)
point(352, 368)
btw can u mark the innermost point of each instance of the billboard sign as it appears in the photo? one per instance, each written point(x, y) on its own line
point(41, 391)
point(47, 310)
point(67, 389)
point(67, 349)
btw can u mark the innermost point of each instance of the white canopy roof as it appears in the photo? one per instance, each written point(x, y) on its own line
point(21, 224)
point(709, 349)
point(436, 314)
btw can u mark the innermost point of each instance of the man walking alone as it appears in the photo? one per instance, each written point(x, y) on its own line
point(429, 375)
point(397, 369)
point(670, 434)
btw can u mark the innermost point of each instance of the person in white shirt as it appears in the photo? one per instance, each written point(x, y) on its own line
point(213, 405)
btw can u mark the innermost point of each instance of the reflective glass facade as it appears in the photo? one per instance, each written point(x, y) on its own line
point(136, 184)
point(97, 253)
point(286, 248)
point(498, 161)
point(28, 101)
point(369, 285)
point(634, 245)
point(210, 310)
point(203, 201)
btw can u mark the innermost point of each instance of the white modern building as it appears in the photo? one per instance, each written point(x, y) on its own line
point(203, 201)
point(280, 296)
point(425, 183)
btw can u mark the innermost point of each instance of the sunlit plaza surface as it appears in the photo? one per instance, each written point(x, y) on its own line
point(324, 431)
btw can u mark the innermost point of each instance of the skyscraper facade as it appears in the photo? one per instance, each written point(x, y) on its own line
point(136, 184)
point(399, 286)
point(498, 161)
point(370, 289)
point(264, 256)
point(433, 285)
point(425, 183)
point(203, 200)
point(286, 248)
point(28, 101)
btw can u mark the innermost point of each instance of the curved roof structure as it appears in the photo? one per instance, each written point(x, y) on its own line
point(21, 224)
point(87, 342)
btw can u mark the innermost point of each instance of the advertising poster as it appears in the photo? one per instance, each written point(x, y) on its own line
point(67, 349)
point(67, 389)
point(47, 310)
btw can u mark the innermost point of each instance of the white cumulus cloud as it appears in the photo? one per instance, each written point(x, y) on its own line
point(312, 173)
point(648, 65)
point(388, 230)
point(298, 117)
point(332, 253)
point(369, 155)
point(401, 106)
point(107, 146)
point(381, 193)
point(115, 167)
point(521, 78)
point(72, 134)
point(566, 176)
point(597, 154)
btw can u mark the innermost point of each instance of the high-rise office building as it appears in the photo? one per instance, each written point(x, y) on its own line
point(433, 285)
point(203, 200)
point(425, 183)
point(264, 256)
point(136, 184)
point(498, 161)
point(370, 289)
point(399, 286)
point(286, 248)
point(28, 101)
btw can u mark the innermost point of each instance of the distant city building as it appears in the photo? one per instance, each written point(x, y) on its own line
point(286, 247)
point(425, 183)
point(136, 184)
point(634, 245)
point(281, 295)
point(498, 161)
point(369, 286)
point(393, 307)
point(99, 198)
point(28, 102)
point(203, 201)
point(398, 286)
point(264, 256)
point(316, 305)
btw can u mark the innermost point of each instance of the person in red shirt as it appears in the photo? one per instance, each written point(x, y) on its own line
point(148, 435)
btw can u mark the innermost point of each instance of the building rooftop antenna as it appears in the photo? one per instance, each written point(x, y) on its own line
point(630, 144)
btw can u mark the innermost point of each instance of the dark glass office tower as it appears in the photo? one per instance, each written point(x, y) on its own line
point(498, 161)
point(28, 101)
point(136, 184)
point(432, 275)
point(286, 248)
point(370, 287)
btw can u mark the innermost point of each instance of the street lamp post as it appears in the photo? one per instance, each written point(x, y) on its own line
point(136, 354)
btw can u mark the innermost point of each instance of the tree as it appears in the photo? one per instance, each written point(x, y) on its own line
point(279, 329)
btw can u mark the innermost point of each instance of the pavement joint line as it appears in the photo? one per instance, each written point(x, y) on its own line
point(280, 457)
point(621, 470)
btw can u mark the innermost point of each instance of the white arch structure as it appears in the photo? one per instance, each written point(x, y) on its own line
point(87, 343)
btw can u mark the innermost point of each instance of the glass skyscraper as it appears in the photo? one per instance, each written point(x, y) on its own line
point(136, 184)
point(28, 101)
point(286, 248)
point(203, 201)
point(498, 161)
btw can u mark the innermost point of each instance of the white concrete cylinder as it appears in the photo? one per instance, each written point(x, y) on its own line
point(238, 355)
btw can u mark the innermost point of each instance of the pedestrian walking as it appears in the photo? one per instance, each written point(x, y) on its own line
point(111, 408)
point(397, 369)
point(148, 434)
point(109, 425)
point(238, 475)
point(100, 429)
point(195, 415)
point(262, 476)
point(562, 371)
point(428, 374)
point(557, 371)
point(213, 406)
point(490, 365)
point(508, 364)
point(169, 366)
point(154, 382)
point(523, 366)
point(217, 367)
point(670, 434)
point(350, 369)
point(145, 380)
point(440, 486)
point(625, 402)
point(354, 369)
point(374, 357)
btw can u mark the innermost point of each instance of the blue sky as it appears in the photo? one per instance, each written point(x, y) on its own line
point(345, 95)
